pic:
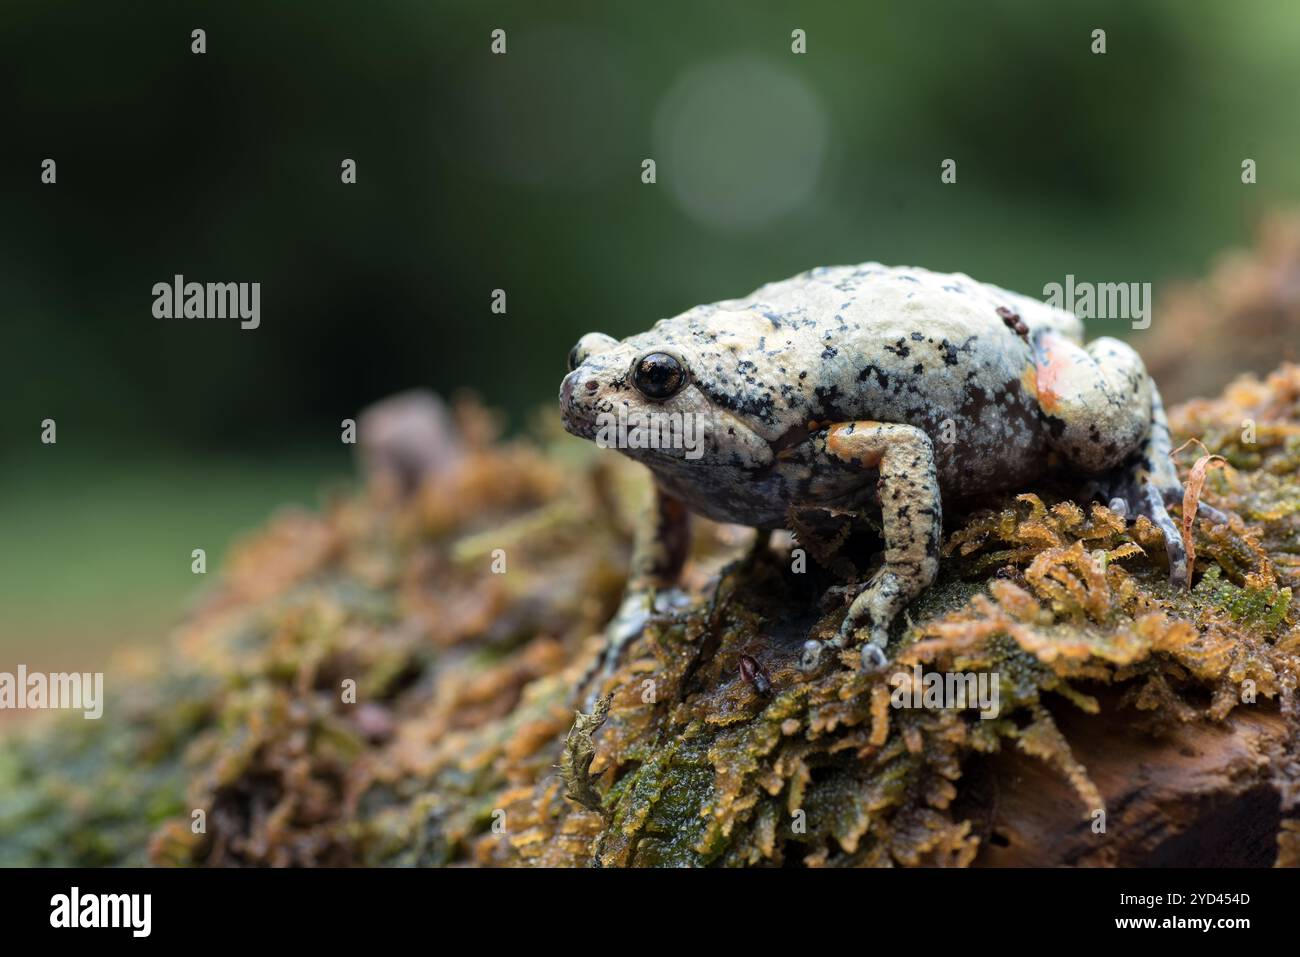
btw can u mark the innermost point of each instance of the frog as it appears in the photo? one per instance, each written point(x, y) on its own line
point(874, 392)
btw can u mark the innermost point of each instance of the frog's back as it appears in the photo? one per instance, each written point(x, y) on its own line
point(866, 298)
point(872, 342)
point(869, 291)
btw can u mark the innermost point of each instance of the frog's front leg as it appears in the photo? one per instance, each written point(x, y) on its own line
point(912, 526)
point(660, 542)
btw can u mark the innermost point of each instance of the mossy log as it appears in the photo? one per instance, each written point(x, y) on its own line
point(364, 687)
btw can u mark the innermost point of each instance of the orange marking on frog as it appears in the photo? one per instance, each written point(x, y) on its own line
point(841, 447)
point(1047, 373)
point(1029, 380)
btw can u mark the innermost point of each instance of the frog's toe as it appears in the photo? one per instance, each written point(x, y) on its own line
point(1177, 553)
point(811, 655)
point(874, 639)
point(873, 657)
point(815, 652)
point(1153, 507)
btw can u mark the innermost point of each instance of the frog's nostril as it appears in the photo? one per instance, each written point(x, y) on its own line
point(592, 385)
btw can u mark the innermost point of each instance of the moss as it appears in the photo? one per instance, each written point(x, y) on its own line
point(451, 751)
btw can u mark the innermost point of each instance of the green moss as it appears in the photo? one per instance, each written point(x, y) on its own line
point(1262, 608)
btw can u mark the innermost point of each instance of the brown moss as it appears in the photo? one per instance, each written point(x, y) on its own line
point(452, 750)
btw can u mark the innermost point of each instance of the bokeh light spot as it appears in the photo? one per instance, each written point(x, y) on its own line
point(740, 142)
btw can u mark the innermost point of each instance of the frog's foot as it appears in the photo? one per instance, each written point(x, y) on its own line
point(870, 616)
point(1137, 494)
point(872, 654)
point(1156, 479)
point(1154, 508)
point(1150, 494)
point(1130, 492)
point(629, 621)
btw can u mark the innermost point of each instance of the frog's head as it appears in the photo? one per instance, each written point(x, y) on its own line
point(642, 397)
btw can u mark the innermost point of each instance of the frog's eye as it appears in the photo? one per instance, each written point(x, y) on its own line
point(659, 376)
point(576, 355)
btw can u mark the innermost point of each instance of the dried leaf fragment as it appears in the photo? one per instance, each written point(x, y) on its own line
point(1192, 497)
point(579, 752)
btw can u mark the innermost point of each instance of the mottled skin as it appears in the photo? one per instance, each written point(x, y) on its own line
point(873, 391)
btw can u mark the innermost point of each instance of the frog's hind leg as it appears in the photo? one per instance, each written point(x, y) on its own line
point(1106, 419)
point(908, 489)
point(1096, 399)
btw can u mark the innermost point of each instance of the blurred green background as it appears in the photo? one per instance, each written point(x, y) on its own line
point(522, 172)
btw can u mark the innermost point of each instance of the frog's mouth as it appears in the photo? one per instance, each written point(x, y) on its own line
point(578, 418)
point(581, 426)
